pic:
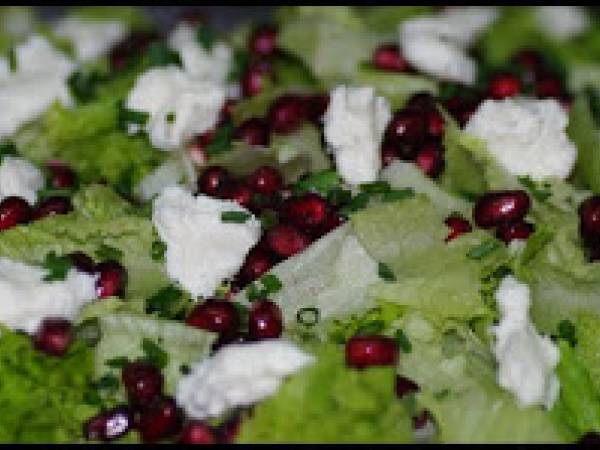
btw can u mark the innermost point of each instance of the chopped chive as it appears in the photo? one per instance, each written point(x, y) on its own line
point(385, 272)
point(308, 316)
point(205, 37)
point(377, 187)
point(234, 216)
point(483, 250)
point(396, 195)
point(170, 118)
point(117, 363)
point(185, 369)
point(566, 331)
point(106, 252)
point(221, 141)
point(271, 283)
point(12, 60)
point(154, 354)
point(268, 219)
point(158, 251)
point(358, 202)
point(537, 193)
point(403, 341)
point(57, 266)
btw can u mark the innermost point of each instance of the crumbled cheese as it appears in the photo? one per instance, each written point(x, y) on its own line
point(202, 250)
point(526, 360)
point(91, 38)
point(167, 92)
point(238, 375)
point(26, 299)
point(562, 22)
point(20, 178)
point(436, 44)
point(213, 64)
point(354, 124)
point(526, 136)
point(38, 56)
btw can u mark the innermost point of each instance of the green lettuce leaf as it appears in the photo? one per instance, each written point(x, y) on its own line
point(583, 133)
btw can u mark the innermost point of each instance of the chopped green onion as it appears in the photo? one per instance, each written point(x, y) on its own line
point(566, 331)
point(205, 37)
point(396, 195)
point(483, 250)
point(106, 252)
point(403, 341)
point(154, 354)
point(158, 251)
point(170, 118)
point(234, 216)
point(385, 272)
point(57, 267)
point(377, 187)
point(221, 141)
point(308, 316)
point(117, 363)
point(271, 283)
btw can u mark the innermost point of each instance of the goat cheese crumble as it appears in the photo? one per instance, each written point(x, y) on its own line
point(202, 250)
point(238, 375)
point(27, 299)
point(562, 22)
point(526, 359)
point(354, 124)
point(526, 136)
point(20, 178)
point(179, 105)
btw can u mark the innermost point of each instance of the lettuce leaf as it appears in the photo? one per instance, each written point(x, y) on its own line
point(583, 133)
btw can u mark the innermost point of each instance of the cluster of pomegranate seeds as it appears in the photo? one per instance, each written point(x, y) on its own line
point(13, 211)
point(256, 76)
point(161, 420)
point(388, 57)
point(504, 85)
point(265, 320)
point(414, 134)
point(218, 316)
point(112, 279)
point(505, 211)
point(254, 131)
point(143, 383)
point(458, 226)
point(61, 175)
point(589, 226)
point(462, 106)
point(54, 336)
point(263, 40)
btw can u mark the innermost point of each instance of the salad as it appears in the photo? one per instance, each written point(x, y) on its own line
point(349, 224)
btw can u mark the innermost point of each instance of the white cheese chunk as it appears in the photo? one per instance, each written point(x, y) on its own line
point(202, 250)
point(526, 360)
point(354, 124)
point(26, 299)
point(18, 177)
point(37, 55)
point(179, 105)
point(238, 375)
point(562, 22)
point(91, 38)
point(526, 136)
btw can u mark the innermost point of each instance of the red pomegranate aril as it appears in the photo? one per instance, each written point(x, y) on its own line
point(548, 86)
point(332, 221)
point(405, 386)
point(265, 320)
point(13, 211)
point(143, 382)
point(53, 336)
point(82, 262)
point(265, 180)
point(462, 107)
point(52, 206)
point(219, 316)
point(316, 105)
point(435, 124)
point(494, 208)
point(406, 127)
point(227, 111)
point(504, 85)
point(109, 425)
point(112, 279)
point(287, 240)
point(590, 438)
point(228, 431)
point(254, 131)
point(589, 218)
point(458, 226)
point(255, 77)
point(389, 153)
point(213, 181)
point(509, 231)
point(308, 211)
point(421, 420)
point(365, 351)
point(263, 40)
point(430, 159)
point(61, 176)
point(389, 58)
point(257, 263)
point(421, 101)
point(236, 337)
point(196, 432)
point(239, 193)
point(161, 420)
point(287, 113)
point(135, 44)
point(529, 59)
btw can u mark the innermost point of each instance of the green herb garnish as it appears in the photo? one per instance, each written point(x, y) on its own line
point(403, 341)
point(57, 267)
point(566, 331)
point(205, 37)
point(308, 316)
point(106, 252)
point(12, 59)
point(127, 116)
point(162, 302)
point(266, 285)
point(322, 182)
point(385, 272)
point(158, 250)
point(158, 54)
point(221, 141)
point(83, 85)
point(170, 117)
point(7, 148)
point(154, 355)
point(396, 195)
point(117, 363)
point(185, 369)
point(377, 187)
point(540, 194)
point(483, 250)
point(357, 203)
point(235, 216)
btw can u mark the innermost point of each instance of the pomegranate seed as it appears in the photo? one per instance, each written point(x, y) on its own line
point(265, 321)
point(161, 420)
point(257, 263)
point(229, 429)
point(421, 420)
point(54, 336)
point(219, 316)
point(365, 351)
point(109, 425)
point(430, 159)
point(406, 127)
point(265, 180)
point(421, 101)
point(590, 438)
point(548, 86)
point(287, 240)
point(135, 44)
point(389, 152)
point(529, 59)
point(255, 77)
point(405, 386)
point(61, 176)
point(143, 382)
point(239, 193)
point(253, 131)
point(13, 211)
point(389, 58)
point(514, 230)
point(566, 102)
point(263, 40)
point(308, 211)
point(462, 107)
point(82, 262)
point(494, 208)
point(316, 105)
point(196, 432)
point(112, 279)
point(435, 124)
point(287, 113)
point(504, 85)
point(213, 181)
point(332, 221)
point(236, 337)
point(458, 226)
point(589, 219)
point(227, 111)
point(51, 206)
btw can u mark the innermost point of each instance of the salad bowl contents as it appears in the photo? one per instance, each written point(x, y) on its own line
point(348, 224)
